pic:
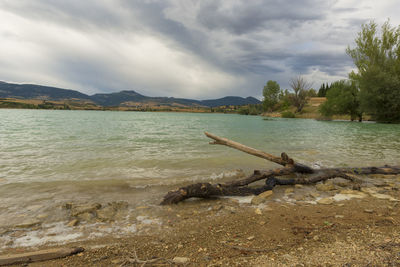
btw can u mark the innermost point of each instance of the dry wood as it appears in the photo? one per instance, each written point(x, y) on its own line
point(303, 175)
point(41, 255)
point(284, 160)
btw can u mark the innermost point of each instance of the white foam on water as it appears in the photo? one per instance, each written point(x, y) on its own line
point(35, 238)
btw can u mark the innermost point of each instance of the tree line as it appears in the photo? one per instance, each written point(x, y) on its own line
point(372, 89)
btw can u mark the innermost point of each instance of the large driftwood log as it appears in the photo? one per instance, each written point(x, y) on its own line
point(304, 175)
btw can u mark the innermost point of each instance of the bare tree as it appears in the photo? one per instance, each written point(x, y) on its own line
point(300, 87)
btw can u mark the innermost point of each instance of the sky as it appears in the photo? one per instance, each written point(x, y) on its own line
point(197, 49)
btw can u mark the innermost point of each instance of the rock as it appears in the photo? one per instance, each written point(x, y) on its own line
point(383, 196)
point(267, 208)
point(352, 193)
point(289, 191)
point(28, 224)
point(299, 197)
point(325, 201)
point(217, 207)
point(231, 209)
point(316, 238)
point(261, 198)
point(86, 217)
point(339, 216)
point(180, 260)
point(341, 182)
point(257, 200)
point(287, 257)
point(73, 223)
point(266, 194)
point(258, 211)
point(298, 185)
point(250, 238)
point(325, 187)
point(106, 214)
point(368, 211)
point(314, 194)
point(42, 216)
point(369, 190)
point(77, 210)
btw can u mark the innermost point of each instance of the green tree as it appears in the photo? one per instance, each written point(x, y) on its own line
point(312, 93)
point(342, 99)
point(322, 91)
point(377, 58)
point(271, 95)
point(300, 86)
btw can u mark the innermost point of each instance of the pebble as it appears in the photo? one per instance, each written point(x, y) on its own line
point(298, 185)
point(368, 211)
point(258, 211)
point(325, 187)
point(180, 260)
point(314, 194)
point(325, 201)
point(250, 238)
point(289, 191)
point(231, 209)
point(73, 223)
point(261, 198)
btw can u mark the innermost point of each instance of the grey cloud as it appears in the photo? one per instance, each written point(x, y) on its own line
point(248, 41)
point(331, 63)
point(248, 16)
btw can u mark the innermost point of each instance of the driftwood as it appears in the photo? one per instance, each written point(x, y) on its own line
point(303, 174)
point(41, 255)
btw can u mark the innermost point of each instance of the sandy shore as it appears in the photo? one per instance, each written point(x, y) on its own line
point(359, 231)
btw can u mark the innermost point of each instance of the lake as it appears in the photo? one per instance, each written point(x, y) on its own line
point(50, 157)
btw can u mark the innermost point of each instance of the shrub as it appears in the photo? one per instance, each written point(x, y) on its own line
point(288, 114)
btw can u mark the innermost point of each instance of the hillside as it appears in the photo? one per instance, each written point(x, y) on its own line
point(32, 91)
point(126, 98)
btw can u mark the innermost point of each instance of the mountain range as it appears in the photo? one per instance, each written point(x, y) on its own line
point(122, 98)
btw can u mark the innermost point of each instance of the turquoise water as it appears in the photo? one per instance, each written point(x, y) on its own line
point(49, 157)
point(145, 148)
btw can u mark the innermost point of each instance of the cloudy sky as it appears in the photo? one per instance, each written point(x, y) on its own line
point(184, 48)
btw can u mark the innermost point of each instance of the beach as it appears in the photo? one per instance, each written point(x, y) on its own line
point(295, 226)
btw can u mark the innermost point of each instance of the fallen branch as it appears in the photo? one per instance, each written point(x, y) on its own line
point(41, 255)
point(303, 175)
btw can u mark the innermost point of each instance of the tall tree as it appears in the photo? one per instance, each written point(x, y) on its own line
point(300, 86)
point(271, 95)
point(322, 91)
point(377, 58)
point(342, 99)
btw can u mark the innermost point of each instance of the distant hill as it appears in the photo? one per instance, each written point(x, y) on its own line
point(123, 98)
point(32, 91)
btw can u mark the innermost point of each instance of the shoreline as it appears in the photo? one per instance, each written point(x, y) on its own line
point(285, 230)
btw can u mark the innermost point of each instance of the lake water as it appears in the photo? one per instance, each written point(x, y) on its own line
point(49, 157)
